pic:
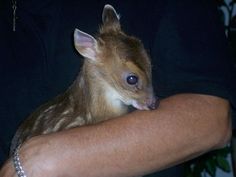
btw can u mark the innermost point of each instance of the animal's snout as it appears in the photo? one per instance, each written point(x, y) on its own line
point(153, 103)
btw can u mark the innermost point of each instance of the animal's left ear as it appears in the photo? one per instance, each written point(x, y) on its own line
point(110, 18)
point(85, 44)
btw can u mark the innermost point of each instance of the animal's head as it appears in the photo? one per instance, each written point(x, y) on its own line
point(120, 60)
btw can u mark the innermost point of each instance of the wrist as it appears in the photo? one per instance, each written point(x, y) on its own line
point(17, 163)
point(38, 158)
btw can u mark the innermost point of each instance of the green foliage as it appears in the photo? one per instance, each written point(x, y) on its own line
point(208, 163)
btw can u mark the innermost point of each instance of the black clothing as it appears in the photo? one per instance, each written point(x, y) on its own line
point(184, 39)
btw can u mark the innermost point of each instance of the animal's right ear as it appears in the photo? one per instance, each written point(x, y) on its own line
point(110, 18)
point(85, 44)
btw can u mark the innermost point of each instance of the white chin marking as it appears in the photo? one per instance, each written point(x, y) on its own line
point(113, 97)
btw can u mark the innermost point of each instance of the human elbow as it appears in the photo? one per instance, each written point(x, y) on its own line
point(224, 135)
point(222, 129)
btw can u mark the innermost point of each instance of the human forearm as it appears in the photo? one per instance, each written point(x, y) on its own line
point(183, 126)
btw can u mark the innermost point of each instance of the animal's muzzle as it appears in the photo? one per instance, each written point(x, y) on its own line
point(153, 103)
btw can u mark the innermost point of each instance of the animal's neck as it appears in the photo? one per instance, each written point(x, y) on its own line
point(100, 100)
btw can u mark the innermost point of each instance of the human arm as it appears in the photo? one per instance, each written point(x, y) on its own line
point(183, 127)
point(127, 130)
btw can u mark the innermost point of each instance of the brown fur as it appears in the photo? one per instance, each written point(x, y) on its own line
point(90, 98)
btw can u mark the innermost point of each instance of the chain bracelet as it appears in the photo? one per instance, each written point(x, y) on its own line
point(16, 161)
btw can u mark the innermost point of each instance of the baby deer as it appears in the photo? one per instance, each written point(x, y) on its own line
point(116, 74)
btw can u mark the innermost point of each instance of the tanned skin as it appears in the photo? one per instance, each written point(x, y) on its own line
point(184, 126)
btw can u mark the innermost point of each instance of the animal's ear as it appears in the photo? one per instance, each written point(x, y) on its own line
point(110, 18)
point(85, 44)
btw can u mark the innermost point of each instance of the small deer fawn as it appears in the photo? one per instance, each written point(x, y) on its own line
point(116, 74)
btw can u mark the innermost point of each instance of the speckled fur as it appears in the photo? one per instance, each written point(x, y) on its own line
point(94, 95)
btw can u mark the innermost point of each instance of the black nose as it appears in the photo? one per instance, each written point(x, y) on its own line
point(154, 104)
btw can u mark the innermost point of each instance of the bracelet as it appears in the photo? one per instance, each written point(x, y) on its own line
point(16, 161)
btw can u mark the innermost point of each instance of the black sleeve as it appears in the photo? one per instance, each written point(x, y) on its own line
point(190, 52)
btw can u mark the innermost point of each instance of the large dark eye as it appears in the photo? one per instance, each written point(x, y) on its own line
point(132, 80)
